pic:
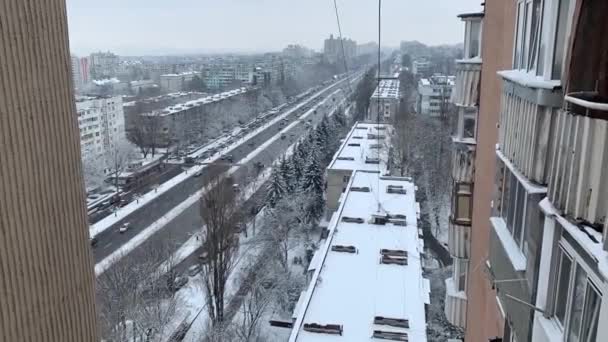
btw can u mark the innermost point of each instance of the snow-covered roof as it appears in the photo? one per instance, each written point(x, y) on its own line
point(387, 89)
point(359, 291)
point(105, 81)
point(359, 150)
point(198, 102)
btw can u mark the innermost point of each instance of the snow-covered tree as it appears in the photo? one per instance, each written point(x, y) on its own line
point(276, 187)
point(93, 172)
point(220, 210)
point(118, 157)
point(288, 174)
point(312, 178)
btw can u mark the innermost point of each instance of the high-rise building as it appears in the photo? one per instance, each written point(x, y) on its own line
point(47, 284)
point(76, 78)
point(465, 97)
point(548, 248)
point(103, 65)
point(102, 124)
point(484, 319)
point(336, 49)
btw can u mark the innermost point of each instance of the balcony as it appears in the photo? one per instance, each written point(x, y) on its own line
point(527, 113)
point(463, 162)
point(455, 304)
point(459, 239)
point(577, 187)
point(468, 75)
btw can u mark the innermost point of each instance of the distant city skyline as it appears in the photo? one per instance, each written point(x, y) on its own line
point(155, 27)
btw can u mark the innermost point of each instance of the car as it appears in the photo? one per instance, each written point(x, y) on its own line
point(179, 282)
point(194, 270)
point(204, 256)
point(93, 241)
point(283, 136)
point(236, 187)
point(124, 227)
point(229, 158)
point(199, 173)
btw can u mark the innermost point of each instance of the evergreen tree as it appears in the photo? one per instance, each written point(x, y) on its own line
point(287, 173)
point(297, 161)
point(314, 208)
point(276, 188)
point(312, 178)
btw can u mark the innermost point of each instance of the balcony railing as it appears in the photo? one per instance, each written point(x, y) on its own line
point(463, 163)
point(468, 74)
point(527, 115)
point(578, 185)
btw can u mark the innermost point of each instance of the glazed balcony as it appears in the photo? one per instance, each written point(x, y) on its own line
point(577, 186)
point(468, 76)
point(527, 112)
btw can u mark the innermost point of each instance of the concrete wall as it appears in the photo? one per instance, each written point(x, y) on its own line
point(483, 318)
point(47, 284)
point(335, 186)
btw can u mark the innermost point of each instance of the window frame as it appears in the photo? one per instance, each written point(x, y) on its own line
point(510, 213)
point(545, 31)
point(590, 282)
point(462, 193)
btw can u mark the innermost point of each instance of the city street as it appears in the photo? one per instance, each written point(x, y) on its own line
point(181, 227)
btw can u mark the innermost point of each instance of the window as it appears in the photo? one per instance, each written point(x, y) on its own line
point(540, 37)
point(460, 274)
point(475, 32)
point(462, 205)
point(560, 38)
point(563, 282)
point(513, 205)
point(577, 301)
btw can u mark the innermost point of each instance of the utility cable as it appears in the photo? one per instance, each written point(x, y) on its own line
point(342, 44)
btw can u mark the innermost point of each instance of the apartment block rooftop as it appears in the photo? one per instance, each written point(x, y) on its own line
point(388, 89)
point(199, 102)
point(369, 284)
point(366, 147)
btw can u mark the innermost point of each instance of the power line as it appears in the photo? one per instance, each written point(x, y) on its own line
point(378, 89)
point(342, 44)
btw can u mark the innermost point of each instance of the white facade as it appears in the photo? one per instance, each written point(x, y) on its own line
point(369, 283)
point(102, 124)
point(434, 95)
point(177, 82)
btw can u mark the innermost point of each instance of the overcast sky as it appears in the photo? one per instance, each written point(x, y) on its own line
point(138, 27)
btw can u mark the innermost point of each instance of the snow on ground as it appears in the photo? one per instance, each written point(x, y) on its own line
point(125, 211)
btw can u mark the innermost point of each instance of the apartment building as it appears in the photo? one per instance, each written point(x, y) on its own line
point(385, 101)
point(484, 318)
point(47, 287)
point(548, 242)
point(333, 49)
point(177, 82)
point(466, 99)
point(185, 122)
point(434, 95)
point(101, 122)
point(422, 67)
point(368, 282)
point(103, 65)
point(366, 147)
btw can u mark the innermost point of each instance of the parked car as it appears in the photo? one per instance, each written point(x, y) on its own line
point(179, 282)
point(204, 256)
point(236, 187)
point(199, 173)
point(194, 270)
point(124, 227)
point(93, 241)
